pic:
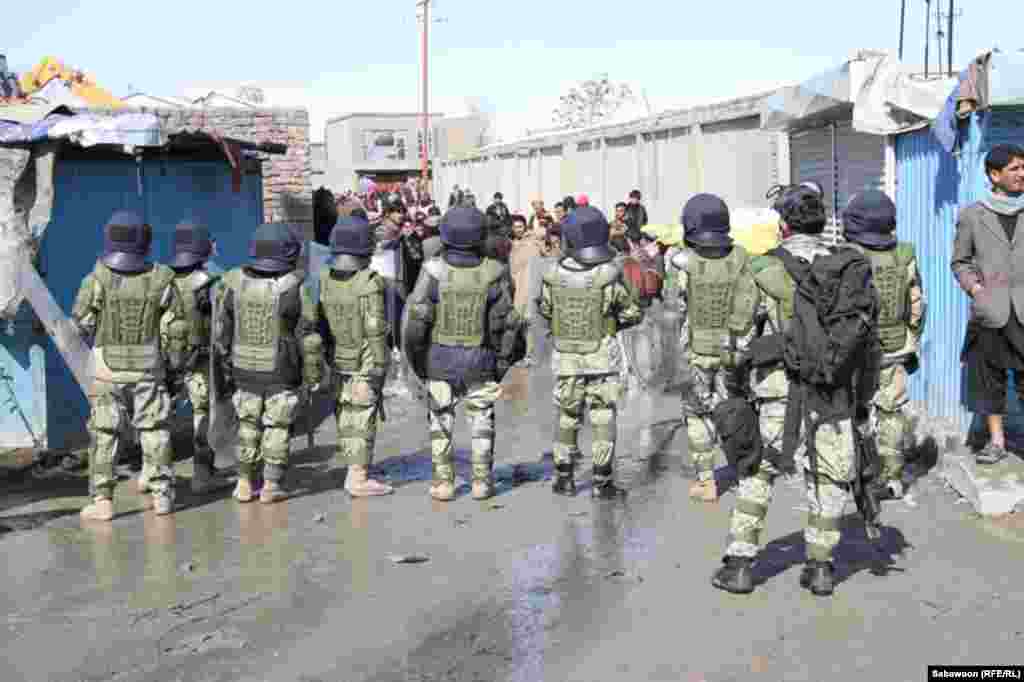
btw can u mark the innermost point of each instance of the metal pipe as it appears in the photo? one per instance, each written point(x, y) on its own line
point(903, 21)
point(949, 39)
point(424, 162)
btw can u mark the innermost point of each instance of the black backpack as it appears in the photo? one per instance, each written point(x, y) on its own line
point(834, 330)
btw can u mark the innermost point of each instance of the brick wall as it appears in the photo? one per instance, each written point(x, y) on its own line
point(287, 189)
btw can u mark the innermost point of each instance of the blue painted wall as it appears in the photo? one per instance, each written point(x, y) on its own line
point(932, 186)
point(22, 366)
point(86, 194)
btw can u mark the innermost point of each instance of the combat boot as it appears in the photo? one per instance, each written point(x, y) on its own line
point(359, 484)
point(603, 487)
point(565, 482)
point(163, 501)
point(443, 491)
point(206, 479)
point(243, 490)
point(817, 577)
point(736, 576)
point(705, 491)
point(101, 509)
point(483, 489)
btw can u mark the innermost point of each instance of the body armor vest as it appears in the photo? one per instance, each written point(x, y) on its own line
point(343, 304)
point(579, 322)
point(890, 276)
point(129, 330)
point(191, 287)
point(771, 276)
point(720, 296)
point(461, 318)
point(259, 326)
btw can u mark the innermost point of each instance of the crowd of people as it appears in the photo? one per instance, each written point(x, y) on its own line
point(799, 357)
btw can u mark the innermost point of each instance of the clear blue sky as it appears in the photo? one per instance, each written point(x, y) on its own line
point(358, 55)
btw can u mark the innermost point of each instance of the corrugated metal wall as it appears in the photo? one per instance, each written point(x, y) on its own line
point(87, 192)
point(927, 203)
point(932, 186)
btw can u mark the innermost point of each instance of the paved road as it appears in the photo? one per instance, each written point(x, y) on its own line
point(525, 587)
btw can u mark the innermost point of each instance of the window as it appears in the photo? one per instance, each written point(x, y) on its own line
point(385, 145)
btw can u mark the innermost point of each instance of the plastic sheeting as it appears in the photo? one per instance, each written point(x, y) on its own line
point(134, 130)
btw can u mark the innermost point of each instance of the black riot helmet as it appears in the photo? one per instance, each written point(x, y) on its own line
point(870, 220)
point(706, 222)
point(126, 242)
point(192, 244)
point(586, 232)
point(462, 229)
point(351, 244)
point(275, 248)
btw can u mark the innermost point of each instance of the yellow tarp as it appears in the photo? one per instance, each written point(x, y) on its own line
point(81, 85)
point(754, 229)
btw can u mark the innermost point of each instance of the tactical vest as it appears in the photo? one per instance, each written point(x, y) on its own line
point(720, 295)
point(890, 276)
point(198, 324)
point(129, 329)
point(343, 304)
point(461, 317)
point(259, 326)
point(771, 276)
point(579, 323)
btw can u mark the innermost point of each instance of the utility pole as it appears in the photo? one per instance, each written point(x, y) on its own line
point(903, 23)
point(949, 39)
point(425, 149)
point(927, 33)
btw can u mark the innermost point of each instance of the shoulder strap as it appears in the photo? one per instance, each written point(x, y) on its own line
point(797, 268)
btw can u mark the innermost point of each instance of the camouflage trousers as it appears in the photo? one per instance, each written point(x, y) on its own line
point(149, 403)
point(357, 409)
point(891, 421)
point(598, 395)
point(265, 418)
point(197, 384)
point(710, 385)
point(479, 402)
point(826, 493)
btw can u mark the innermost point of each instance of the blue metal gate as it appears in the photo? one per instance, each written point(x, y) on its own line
point(87, 192)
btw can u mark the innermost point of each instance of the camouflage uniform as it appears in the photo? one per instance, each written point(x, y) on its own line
point(137, 321)
point(460, 331)
point(267, 342)
point(196, 378)
point(586, 307)
point(828, 491)
point(714, 329)
point(901, 326)
point(357, 328)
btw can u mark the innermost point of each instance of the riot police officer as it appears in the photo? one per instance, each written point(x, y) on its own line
point(586, 303)
point(461, 331)
point(192, 249)
point(717, 301)
point(133, 310)
point(268, 347)
point(869, 224)
point(354, 327)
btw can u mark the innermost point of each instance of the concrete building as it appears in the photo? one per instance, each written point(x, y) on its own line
point(385, 147)
point(317, 164)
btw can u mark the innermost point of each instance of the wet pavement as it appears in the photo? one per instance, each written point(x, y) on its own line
point(524, 587)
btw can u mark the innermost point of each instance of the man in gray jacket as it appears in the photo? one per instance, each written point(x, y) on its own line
point(988, 261)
